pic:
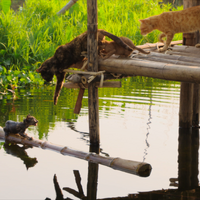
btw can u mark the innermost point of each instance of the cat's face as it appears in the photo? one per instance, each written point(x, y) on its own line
point(145, 26)
point(46, 69)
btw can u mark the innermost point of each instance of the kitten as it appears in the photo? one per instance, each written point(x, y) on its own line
point(20, 127)
point(170, 23)
point(108, 48)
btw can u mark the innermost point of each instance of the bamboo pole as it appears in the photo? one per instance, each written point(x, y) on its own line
point(133, 167)
point(194, 56)
point(159, 44)
point(67, 7)
point(160, 70)
point(166, 60)
point(174, 57)
point(186, 49)
point(93, 98)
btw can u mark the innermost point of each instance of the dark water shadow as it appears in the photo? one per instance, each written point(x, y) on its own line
point(20, 152)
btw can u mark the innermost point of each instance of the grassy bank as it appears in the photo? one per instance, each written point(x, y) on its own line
point(31, 35)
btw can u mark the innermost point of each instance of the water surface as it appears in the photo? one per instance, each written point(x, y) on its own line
point(137, 122)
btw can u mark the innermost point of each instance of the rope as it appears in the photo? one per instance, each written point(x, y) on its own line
point(91, 78)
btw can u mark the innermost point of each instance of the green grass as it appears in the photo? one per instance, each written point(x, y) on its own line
point(31, 35)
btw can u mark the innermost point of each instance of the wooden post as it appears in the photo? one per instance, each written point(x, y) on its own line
point(93, 99)
point(93, 170)
point(189, 104)
point(186, 105)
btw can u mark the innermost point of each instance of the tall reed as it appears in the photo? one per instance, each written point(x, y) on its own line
point(31, 35)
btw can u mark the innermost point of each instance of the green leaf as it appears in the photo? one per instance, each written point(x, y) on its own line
point(5, 4)
point(9, 78)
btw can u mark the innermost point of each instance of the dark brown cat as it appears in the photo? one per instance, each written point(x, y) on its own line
point(173, 22)
point(69, 54)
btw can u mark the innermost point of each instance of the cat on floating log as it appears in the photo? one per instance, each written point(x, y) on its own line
point(20, 127)
point(108, 48)
point(69, 54)
point(172, 22)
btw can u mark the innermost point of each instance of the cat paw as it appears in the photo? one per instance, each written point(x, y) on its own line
point(197, 45)
point(161, 49)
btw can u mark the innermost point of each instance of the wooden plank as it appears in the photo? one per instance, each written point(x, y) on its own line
point(78, 105)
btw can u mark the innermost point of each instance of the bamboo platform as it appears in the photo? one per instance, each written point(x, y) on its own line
point(180, 63)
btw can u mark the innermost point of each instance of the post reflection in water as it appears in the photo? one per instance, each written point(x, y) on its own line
point(187, 182)
point(188, 159)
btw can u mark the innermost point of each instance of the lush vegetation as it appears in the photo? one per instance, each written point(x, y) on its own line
point(31, 35)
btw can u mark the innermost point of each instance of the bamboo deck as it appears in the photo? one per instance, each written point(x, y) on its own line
point(180, 63)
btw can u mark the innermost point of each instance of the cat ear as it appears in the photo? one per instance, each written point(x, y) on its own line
point(28, 116)
point(141, 20)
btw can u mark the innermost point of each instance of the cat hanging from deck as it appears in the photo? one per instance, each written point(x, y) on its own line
point(170, 23)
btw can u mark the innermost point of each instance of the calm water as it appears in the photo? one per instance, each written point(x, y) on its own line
point(137, 122)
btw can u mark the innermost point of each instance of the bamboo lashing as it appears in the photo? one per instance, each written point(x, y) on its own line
point(91, 78)
point(133, 167)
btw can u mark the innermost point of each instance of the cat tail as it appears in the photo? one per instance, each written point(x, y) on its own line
point(116, 39)
point(142, 51)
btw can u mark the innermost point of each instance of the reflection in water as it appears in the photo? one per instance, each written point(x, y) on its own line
point(17, 151)
point(188, 183)
point(188, 159)
point(148, 127)
point(85, 136)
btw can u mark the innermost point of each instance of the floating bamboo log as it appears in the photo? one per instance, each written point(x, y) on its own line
point(133, 167)
point(153, 69)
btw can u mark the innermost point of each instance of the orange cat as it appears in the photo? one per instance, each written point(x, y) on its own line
point(170, 23)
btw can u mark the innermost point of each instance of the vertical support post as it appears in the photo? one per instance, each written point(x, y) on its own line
point(195, 118)
point(93, 99)
point(189, 104)
point(186, 105)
